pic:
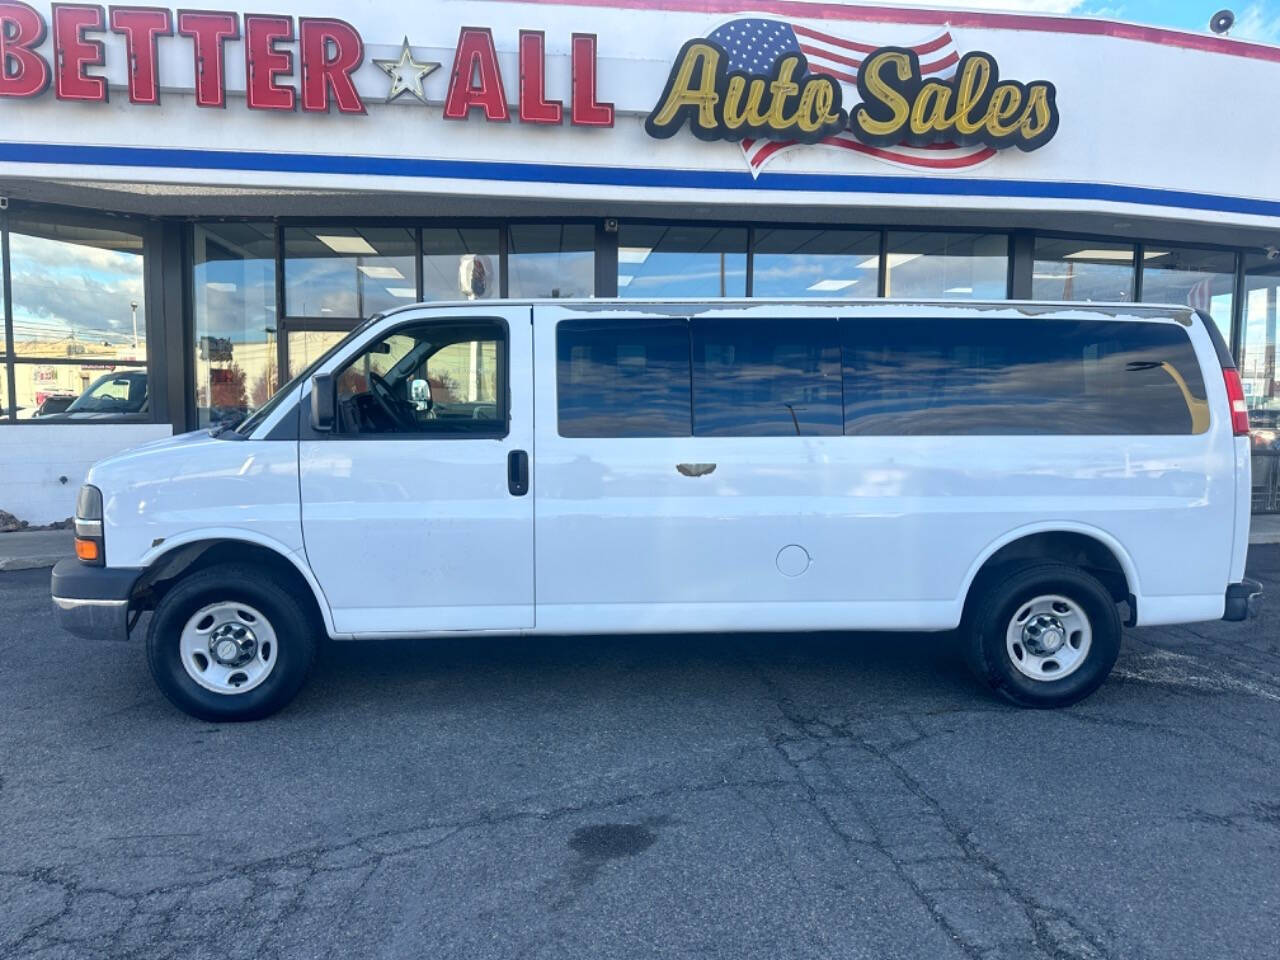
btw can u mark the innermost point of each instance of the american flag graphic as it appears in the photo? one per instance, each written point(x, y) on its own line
point(755, 44)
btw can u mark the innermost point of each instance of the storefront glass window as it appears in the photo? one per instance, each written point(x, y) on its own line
point(4, 393)
point(235, 319)
point(347, 272)
point(79, 322)
point(681, 260)
point(1259, 376)
point(1083, 270)
point(964, 266)
point(1204, 279)
point(551, 260)
point(460, 264)
point(815, 263)
point(307, 346)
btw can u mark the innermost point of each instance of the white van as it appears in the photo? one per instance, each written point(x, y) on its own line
point(1023, 472)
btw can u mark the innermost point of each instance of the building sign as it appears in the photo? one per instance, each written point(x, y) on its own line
point(302, 63)
point(769, 85)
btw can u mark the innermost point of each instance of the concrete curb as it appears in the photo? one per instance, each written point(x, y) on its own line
point(13, 564)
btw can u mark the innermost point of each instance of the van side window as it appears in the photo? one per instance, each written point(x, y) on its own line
point(428, 379)
point(624, 378)
point(766, 378)
point(932, 377)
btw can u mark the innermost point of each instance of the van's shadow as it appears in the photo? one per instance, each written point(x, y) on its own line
point(879, 666)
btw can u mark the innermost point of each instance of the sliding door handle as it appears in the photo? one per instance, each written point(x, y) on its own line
point(695, 469)
point(518, 473)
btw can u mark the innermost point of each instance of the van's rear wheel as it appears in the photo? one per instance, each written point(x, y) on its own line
point(228, 644)
point(1043, 635)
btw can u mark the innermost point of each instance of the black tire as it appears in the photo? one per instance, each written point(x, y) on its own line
point(294, 651)
point(997, 600)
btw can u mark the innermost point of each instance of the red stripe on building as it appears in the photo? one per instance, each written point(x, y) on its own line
point(1040, 23)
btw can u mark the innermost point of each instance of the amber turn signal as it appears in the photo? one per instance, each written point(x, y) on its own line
point(88, 550)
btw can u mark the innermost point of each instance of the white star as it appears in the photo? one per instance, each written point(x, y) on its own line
point(406, 73)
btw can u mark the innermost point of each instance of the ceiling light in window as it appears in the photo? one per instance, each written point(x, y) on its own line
point(404, 293)
point(221, 286)
point(1052, 276)
point(1123, 256)
point(959, 290)
point(895, 260)
point(381, 273)
point(634, 254)
point(831, 286)
point(624, 279)
point(344, 244)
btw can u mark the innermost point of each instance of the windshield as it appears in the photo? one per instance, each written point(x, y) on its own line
point(113, 393)
point(254, 420)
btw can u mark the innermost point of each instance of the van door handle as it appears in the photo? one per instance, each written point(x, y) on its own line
point(695, 469)
point(518, 473)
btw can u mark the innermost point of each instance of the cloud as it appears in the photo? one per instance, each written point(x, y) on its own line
point(1255, 22)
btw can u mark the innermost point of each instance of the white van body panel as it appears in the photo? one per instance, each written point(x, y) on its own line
point(895, 527)
point(420, 537)
point(420, 534)
point(194, 487)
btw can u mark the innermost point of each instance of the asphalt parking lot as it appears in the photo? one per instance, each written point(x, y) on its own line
point(773, 796)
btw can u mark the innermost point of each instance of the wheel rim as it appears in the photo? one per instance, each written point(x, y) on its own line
point(229, 648)
point(1048, 638)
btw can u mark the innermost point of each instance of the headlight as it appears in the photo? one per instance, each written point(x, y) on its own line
point(89, 545)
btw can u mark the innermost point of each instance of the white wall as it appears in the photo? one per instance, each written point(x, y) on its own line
point(33, 459)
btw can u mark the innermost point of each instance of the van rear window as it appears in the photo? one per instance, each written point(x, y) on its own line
point(939, 377)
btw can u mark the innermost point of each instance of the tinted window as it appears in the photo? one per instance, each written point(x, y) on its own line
point(766, 378)
point(623, 379)
point(916, 376)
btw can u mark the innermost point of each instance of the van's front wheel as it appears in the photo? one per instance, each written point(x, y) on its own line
point(1043, 635)
point(228, 644)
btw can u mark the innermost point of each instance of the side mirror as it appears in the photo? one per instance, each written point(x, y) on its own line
point(420, 394)
point(322, 402)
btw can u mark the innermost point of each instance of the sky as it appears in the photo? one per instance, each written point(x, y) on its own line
point(1255, 19)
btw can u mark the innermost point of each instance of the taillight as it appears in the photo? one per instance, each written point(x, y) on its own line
point(1235, 397)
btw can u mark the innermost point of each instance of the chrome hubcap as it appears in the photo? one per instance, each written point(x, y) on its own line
point(227, 647)
point(1048, 637)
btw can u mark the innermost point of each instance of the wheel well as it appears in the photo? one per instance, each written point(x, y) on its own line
point(168, 569)
point(1077, 549)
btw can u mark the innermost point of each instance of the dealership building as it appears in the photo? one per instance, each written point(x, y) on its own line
point(197, 203)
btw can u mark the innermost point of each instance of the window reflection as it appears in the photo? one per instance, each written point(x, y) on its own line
point(1083, 270)
point(348, 272)
point(815, 263)
point(79, 313)
point(234, 290)
point(307, 346)
point(552, 260)
point(966, 266)
point(623, 379)
point(766, 378)
point(53, 390)
point(460, 264)
point(1204, 279)
point(681, 260)
point(1258, 375)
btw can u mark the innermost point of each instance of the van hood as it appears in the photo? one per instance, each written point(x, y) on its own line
point(154, 454)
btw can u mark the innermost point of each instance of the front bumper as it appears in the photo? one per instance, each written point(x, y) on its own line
point(1244, 599)
point(93, 602)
